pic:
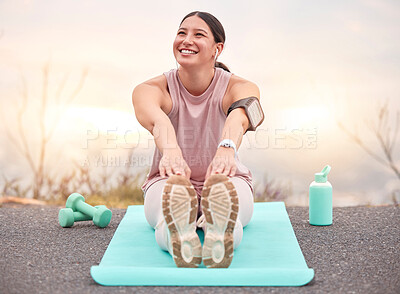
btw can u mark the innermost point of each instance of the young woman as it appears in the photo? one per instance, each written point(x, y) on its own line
point(196, 178)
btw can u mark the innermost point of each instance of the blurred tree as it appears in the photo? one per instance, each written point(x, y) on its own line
point(35, 156)
point(386, 135)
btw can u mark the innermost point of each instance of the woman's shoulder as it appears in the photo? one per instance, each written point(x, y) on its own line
point(158, 82)
point(157, 88)
point(236, 81)
point(239, 87)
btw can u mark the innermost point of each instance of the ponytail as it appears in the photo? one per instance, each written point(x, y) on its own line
point(221, 65)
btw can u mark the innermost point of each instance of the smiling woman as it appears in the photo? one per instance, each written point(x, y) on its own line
point(198, 114)
point(207, 31)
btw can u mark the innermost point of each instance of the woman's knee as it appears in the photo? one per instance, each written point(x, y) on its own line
point(246, 199)
point(153, 203)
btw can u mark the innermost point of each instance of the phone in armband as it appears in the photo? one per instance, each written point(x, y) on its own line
point(252, 107)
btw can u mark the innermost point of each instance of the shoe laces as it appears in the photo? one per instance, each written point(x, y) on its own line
point(201, 222)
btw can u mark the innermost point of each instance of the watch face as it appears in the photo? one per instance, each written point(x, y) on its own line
point(255, 113)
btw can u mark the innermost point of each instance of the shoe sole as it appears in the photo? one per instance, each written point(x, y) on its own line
point(180, 206)
point(220, 206)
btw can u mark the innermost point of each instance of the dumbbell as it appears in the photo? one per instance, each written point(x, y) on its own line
point(67, 217)
point(100, 215)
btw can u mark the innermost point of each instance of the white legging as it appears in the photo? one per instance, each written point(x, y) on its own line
point(154, 215)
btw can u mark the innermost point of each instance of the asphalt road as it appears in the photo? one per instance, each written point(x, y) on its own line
point(359, 253)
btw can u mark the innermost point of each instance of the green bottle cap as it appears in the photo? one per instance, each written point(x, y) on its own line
point(322, 177)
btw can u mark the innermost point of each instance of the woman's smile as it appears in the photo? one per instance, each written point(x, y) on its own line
point(187, 52)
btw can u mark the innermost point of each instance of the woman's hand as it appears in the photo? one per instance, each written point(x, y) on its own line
point(172, 163)
point(223, 163)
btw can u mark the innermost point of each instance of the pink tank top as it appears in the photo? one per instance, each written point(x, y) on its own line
point(198, 122)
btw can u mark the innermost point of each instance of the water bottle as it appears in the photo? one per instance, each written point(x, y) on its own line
point(320, 199)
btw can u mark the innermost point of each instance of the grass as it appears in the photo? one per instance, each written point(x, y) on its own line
point(99, 191)
point(120, 197)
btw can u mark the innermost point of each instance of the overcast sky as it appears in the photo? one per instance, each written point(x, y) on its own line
point(315, 62)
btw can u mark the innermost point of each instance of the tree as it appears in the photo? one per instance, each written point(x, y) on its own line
point(386, 135)
point(36, 159)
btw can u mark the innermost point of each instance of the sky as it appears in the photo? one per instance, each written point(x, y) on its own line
point(316, 63)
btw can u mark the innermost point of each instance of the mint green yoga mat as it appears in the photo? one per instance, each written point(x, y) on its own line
point(268, 255)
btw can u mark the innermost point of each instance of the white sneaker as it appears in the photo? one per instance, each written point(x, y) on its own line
point(180, 212)
point(220, 205)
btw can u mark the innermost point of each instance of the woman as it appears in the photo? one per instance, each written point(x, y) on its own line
point(196, 178)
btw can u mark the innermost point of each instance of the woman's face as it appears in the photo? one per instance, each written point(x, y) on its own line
point(195, 36)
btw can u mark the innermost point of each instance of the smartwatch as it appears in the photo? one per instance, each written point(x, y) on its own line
point(253, 110)
point(228, 143)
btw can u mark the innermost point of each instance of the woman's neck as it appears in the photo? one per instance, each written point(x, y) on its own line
point(196, 81)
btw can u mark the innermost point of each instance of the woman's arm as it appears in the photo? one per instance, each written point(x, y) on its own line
point(235, 127)
point(147, 102)
point(237, 122)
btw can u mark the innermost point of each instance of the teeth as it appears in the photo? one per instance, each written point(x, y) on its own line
point(188, 51)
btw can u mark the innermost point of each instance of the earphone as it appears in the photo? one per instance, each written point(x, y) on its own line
point(216, 55)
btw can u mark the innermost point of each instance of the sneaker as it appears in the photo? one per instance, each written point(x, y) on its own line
point(220, 205)
point(180, 212)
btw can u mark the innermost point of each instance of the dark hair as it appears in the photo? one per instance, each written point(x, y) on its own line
point(216, 28)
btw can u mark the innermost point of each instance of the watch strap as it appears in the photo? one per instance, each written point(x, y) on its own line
point(229, 144)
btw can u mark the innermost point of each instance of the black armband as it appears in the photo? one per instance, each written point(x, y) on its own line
point(252, 107)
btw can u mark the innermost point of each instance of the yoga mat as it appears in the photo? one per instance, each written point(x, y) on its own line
point(268, 255)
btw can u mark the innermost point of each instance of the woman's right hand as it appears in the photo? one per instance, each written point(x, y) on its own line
point(172, 163)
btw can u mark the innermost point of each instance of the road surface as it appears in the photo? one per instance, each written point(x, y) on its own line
point(359, 253)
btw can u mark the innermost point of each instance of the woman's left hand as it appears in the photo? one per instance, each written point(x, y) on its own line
point(223, 163)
